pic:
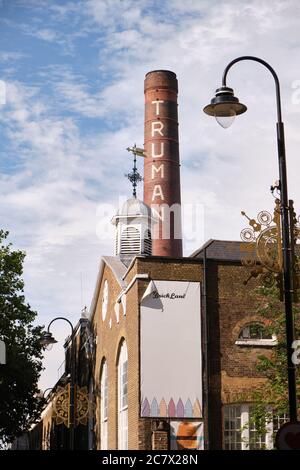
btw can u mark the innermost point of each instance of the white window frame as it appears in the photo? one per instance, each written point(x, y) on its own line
point(256, 341)
point(123, 398)
point(105, 298)
point(104, 407)
point(245, 431)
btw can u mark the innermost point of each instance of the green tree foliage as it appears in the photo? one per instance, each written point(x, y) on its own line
point(19, 405)
point(271, 399)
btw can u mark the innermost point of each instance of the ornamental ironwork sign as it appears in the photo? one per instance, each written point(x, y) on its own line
point(61, 405)
point(262, 252)
point(82, 406)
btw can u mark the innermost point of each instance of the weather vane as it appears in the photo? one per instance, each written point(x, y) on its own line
point(135, 177)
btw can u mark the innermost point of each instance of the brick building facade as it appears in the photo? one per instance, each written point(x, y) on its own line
point(229, 365)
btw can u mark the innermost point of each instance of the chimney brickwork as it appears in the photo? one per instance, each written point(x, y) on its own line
point(162, 167)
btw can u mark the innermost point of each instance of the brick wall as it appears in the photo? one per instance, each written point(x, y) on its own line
point(231, 368)
point(108, 344)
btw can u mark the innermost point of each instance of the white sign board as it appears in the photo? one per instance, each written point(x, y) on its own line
point(171, 369)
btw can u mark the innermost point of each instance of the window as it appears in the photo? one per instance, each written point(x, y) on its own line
point(147, 243)
point(239, 430)
point(104, 300)
point(232, 428)
point(104, 407)
point(46, 435)
point(130, 241)
point(123, 398)
point(278, 421)
point(256, 334)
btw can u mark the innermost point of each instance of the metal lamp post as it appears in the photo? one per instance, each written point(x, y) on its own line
point(225, 106)
point(47, 340)
point(41, 394)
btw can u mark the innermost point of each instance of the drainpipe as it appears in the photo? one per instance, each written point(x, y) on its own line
point(205, 337)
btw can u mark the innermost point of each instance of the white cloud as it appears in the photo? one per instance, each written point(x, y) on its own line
point(46, 34)
point(11, 56)
point(79, 99)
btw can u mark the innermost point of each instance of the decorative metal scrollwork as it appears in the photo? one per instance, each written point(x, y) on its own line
point(262, 252)
point(82, 405)
point(61, 405)
point(264, 218)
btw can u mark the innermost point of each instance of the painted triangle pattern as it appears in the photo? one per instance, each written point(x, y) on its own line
point(154, 408)
point(171, 409)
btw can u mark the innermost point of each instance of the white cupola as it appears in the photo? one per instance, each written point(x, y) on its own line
point(133, 230)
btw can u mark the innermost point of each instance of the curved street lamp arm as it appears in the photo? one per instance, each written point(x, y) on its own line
point(61, 318)
point(46, 390)
point(72, 381)
point(268, 66)
point(286, 242)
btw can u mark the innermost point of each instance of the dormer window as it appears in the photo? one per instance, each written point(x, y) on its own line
point(256, 334)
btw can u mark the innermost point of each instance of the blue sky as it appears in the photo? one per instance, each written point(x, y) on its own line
point(74, 72)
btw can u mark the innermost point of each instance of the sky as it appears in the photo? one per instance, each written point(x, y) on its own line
point(71, 102)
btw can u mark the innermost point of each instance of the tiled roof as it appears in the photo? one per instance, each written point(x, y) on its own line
point(221, 250)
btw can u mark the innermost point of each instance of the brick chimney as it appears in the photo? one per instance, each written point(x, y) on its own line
point(162, 168)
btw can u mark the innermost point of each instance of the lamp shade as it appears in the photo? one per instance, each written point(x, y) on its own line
point(47, 340)
point(225, 106)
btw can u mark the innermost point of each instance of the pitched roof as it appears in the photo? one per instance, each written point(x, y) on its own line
point(226, 250)
point(118, 268)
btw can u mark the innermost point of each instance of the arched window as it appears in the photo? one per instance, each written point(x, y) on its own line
point(256, 334)
point(104, 299)
point(46, 437)
point(122, 398)
point(104, 407)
